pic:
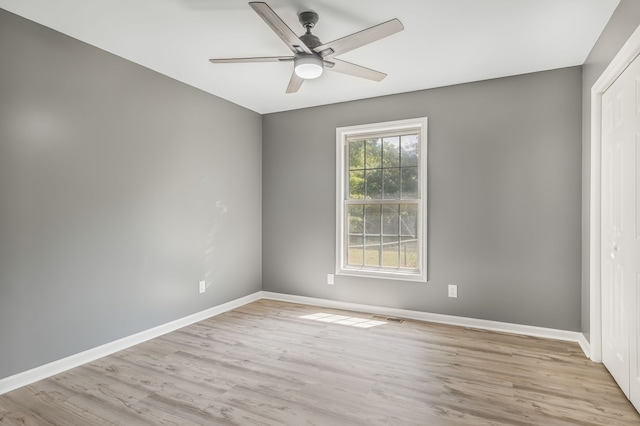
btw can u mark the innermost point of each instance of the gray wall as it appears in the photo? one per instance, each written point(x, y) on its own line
point(621, 25)
point(120, 189)
point(504, 200)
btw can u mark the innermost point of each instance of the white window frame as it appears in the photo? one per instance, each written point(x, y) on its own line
point(342, 136)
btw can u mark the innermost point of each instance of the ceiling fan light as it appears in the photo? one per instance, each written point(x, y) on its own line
point(308, 67)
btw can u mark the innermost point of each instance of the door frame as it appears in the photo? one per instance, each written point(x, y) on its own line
point(620, 62)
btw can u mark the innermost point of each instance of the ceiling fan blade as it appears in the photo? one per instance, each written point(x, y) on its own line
point(294, 83)
point(361, 38)
point(355, 70)
point(254, 59)
point(280, 28)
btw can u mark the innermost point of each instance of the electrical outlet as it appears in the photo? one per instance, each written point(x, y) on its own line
point(330, 279)
point(203, 286)
point(453, 290)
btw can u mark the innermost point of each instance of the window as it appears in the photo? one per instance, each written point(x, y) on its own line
point(382, 200)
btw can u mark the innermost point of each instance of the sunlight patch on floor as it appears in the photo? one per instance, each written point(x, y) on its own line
point(344, 320)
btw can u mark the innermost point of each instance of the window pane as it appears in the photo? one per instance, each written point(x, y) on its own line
point(356, 220)
point(391, 182)
point(355, 254)
point(356, 155)
point(372, 251)
point(409, 150)
point(374, 153)
point(409, 183)
point(372, 219)
point(390, 252)
point(356, 184)
point(390, 220)
point(408, 220)
point(391, 152)
point(373, 184)
point(408, 252)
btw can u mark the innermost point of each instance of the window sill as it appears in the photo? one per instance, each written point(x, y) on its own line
point(386, 275)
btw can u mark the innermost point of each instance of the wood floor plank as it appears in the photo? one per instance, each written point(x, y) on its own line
point(269, 363)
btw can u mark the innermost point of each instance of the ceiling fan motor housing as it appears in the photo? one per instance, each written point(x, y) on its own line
point(310, 40)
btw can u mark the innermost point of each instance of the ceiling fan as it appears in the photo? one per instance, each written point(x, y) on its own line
point(310, 55)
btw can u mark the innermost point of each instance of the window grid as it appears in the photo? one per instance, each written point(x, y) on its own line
point(401, 241)
point(377, 239)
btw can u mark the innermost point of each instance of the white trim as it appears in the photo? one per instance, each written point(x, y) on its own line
point(623, 58)
point(342, 133)
point(30, 376)
point(584, 345)
point(503, 327)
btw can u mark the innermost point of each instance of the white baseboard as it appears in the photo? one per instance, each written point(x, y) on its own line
point(584, 345)
point(30, 376)
point(526, 330)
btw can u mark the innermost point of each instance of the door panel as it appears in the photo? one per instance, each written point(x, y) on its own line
point(634, 353)
point(615, 340)
point(621, 231)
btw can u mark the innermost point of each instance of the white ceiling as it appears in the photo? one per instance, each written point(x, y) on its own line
point(445, 42)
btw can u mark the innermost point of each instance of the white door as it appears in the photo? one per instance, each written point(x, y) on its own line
point(633, 86)
point(621, 230)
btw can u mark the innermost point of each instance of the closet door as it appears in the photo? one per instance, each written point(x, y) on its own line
point(633, 87)
point(621, 230)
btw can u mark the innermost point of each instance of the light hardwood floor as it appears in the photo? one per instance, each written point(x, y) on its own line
point(263, 364)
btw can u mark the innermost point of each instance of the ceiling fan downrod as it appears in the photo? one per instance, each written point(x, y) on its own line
point(309, 20)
